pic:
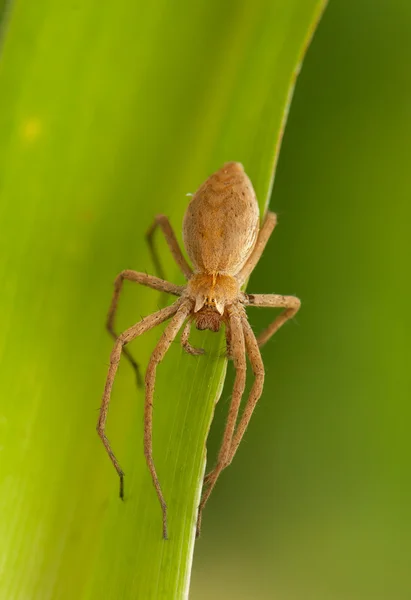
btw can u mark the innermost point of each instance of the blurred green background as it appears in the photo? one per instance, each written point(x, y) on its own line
point(316, 505)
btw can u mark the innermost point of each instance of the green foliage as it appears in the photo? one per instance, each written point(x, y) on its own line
point(316, 505)
point(108, 115)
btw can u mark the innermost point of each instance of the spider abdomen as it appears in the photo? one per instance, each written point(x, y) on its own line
point(221, 222)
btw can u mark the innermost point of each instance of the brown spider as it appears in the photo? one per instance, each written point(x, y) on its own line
point(224, 242)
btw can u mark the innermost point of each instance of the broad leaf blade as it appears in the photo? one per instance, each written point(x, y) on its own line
point(108, 116)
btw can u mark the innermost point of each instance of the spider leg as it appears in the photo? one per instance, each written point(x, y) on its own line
point(159, 351)
point(225, 350)
point(290, 303)
point(257, 366)
point(238, 355)
point(126, 337)
point(165, 225)
point(143, 279)
point(228, 352)
point(262, 239)
point(185, 341)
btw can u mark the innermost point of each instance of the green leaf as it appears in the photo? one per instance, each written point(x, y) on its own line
point(109, 115)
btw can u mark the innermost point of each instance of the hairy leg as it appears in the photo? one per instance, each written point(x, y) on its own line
point(290, 303)
point(257, 366)
point(185, 341)
point(165, 225)
point(159, 351)
point(238, 355)
point(143, 279)
point(228, 353)
point(263, 237)
point(126, 337)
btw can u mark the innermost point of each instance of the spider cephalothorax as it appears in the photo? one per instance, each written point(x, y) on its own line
point(223, 239)
point(208, 318)
point(211, 293)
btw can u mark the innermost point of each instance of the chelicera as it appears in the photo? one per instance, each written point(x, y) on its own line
point(224, 241)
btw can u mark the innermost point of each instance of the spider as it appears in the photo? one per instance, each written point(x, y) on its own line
point(224, 241)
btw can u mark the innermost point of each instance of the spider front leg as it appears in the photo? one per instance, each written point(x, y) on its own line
point(143, 279)
point(159, 351)
point(257, 366)
point(238, 355)
point(126, 337)
point(290, 303)
point(228, 353)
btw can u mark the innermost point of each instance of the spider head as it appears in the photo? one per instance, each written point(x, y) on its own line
point(210, 294)
point(208, 318)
